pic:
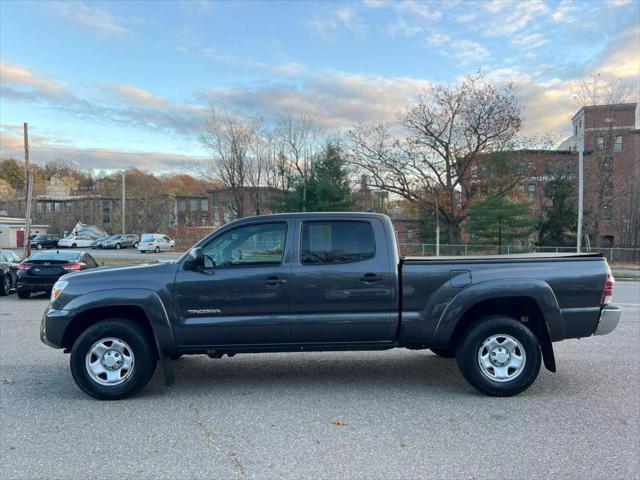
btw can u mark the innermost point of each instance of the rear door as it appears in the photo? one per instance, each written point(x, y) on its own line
point(344, 289)
point(242, 296)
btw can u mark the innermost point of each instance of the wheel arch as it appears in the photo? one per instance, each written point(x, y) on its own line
point(531, 302)
point(138, 305)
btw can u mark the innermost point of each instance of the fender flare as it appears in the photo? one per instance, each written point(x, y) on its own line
point(152, 306)
point(537, 290)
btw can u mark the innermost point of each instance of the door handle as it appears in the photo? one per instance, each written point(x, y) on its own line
point(273, 282)
point(371, 278)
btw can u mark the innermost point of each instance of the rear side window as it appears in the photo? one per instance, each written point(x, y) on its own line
point(336, 242)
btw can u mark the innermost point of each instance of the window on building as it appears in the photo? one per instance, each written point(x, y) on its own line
point(548, 167)
point(531, 190)
point(336, 242)
point(194, 205)
point(599, 144)
point(617, 144)
point(182, 205)
point(204, 205)
point(57, 207)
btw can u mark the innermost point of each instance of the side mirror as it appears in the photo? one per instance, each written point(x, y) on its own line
point(195, 259)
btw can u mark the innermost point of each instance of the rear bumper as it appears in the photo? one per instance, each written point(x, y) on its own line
point(609, 318)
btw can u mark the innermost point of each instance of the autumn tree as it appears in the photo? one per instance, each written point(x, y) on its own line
point(428, 153)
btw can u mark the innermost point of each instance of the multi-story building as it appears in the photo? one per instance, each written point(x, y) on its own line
point(611, 135)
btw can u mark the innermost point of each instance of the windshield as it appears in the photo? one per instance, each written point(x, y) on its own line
point(41, 237)
point(115, 237)
point(147, 237)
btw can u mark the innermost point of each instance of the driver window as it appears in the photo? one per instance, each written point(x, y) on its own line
point(251, 245)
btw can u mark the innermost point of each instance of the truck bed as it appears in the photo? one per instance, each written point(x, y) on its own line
point(504, 258)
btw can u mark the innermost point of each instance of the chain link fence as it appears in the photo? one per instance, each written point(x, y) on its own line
point(618, 255)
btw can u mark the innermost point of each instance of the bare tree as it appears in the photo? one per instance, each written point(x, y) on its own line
point(229, 140)
point(299, 136)
point(595, 91)
point(446, 130)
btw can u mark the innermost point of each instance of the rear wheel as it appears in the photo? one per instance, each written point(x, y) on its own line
point(24, 294)
point(39, 246)
point(113, 359)
point(157, 249)
point(75, 245)
point(499, 356)
point(135, 244)
point(5, 284)
point(118, 246)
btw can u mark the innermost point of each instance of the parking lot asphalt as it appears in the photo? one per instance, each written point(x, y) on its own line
point(394, 414)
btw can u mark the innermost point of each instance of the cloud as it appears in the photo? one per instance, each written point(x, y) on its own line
point(95, 19)
point(135, 95)
point(401, 27)
point(343, 18)
point(465, 51)
point(19, 81)
point(437, 39)
point(420, 9)
point(44, 149)
point(286, 69)
point(336, 99)
point(516, 16)
point(530, 41)
point(566, 12)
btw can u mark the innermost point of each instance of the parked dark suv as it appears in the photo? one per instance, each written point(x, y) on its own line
point(45, 241)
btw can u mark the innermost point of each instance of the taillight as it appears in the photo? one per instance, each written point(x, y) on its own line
point(75, 266)
point(607, 293)
point(24, 266)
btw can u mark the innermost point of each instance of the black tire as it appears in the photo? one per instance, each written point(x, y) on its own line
point(135, 244)
point(39, 246)
point(176, 356)
point(75, 245)
point(118, 246)
point(5, 285)
point(469, 364)
point(156, 250)
point(145, 358)
point(444, 352)
point(24, 295)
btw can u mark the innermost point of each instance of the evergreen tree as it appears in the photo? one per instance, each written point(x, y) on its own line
point(328, 188)
point(495, 219)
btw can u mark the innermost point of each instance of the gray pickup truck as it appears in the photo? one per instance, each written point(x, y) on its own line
point(317, 282)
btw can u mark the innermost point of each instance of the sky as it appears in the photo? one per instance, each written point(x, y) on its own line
point(108, 85)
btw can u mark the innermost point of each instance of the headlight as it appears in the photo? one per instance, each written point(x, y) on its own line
point(57, 289)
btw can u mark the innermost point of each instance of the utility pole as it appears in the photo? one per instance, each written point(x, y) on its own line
point(580, 188)
point(29, 178)
point(124, 197)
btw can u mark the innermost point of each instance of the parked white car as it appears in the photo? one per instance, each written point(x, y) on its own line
point(155, 242)
point(74, 241)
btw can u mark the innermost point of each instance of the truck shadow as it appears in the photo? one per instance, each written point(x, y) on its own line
point(331, 372)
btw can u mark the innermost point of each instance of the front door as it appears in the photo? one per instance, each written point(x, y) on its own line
point(345, 288)
point(242, 295)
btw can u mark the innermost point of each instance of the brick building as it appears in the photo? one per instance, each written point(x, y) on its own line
point(611, 172)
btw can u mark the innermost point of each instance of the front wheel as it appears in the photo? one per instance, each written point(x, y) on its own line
point(75, 245)
point(499, 356)
point(157, 249)
point(135, 244)
point(117, 246)
point(39, 246)
point(113, 359)
point(24, 295)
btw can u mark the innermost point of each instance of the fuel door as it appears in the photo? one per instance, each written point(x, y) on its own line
point(460, 278)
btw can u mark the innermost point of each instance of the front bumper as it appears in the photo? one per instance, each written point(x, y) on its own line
point(609, 318)
point(53, 325)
